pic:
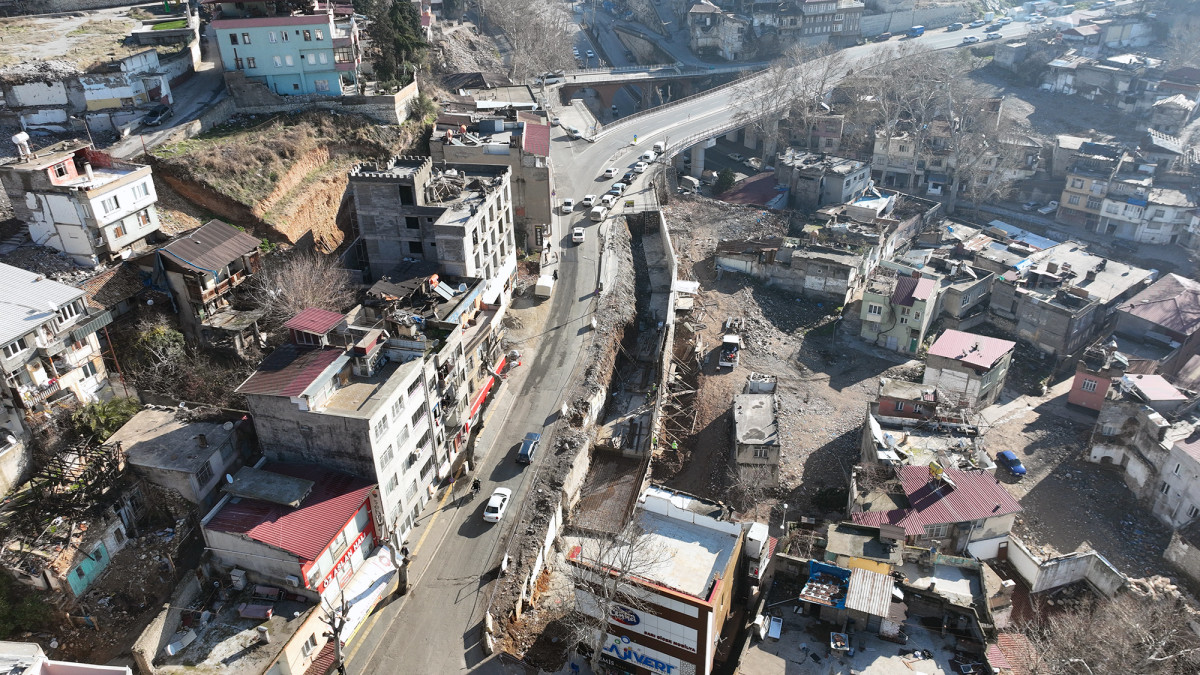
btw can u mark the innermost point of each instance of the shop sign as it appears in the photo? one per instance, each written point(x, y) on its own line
point(626, 651)
point(343, 564)
point(624, 615)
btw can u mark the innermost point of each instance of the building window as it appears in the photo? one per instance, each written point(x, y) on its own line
point(250, 62)
point(381, 426)
point(141, 190)
point(1073, 200)
point(904, 319)
point(1164, 488)
point(15, 347)
point(1193, 512)
point(393, 482)
point(320, 34)
point(899, 406)
point(411, 491)
point(415, 248)
point(278, 61)
point(1160, 213)
point(245, 38)
point(271, 36)
point(238, 63)
point(308, 36)
point(760, 452)
point(204, 475)
point(875, 309)
point(321, 85)
point(233, 38)
point(338, 544)
point(311, 643)
point(418, 415)
point(111, 204)
point(343, 55)
point(386, 457)
point(937, 531)
point(118, 232)
point(79, 572)
point(283, 35)
point(288, 60)
point(402, 435)
point(397, 407)
point(1093, 203)
point(412, 388)
point(323, 57)
point(1177, 468)
point(1089, 385)
point(1077, 183)
point(312, 59)
point(412, 222)
point(60, 169)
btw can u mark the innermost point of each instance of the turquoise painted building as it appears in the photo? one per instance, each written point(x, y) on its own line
point(90, 566)
point(291, 53)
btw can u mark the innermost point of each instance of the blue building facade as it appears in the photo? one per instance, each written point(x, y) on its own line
point(292, 54)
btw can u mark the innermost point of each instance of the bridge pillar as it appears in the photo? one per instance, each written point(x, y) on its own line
point(770, 142)
point(751, 140)
point(648, 91)
point(698, 160)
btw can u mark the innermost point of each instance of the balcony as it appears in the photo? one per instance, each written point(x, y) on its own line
point(27, 396)
point(207, 295)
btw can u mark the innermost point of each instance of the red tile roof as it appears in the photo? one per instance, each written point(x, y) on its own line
point(313, 320)
point(909, 289)
point(977, 495)
point(971, 349)
point(1018, 652)
point(306, 530)
point(1172, 302)
point(536, 139)
point(289, 370)
point(323, 662)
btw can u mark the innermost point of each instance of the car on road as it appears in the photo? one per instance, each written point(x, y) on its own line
point(882, 37)
point(1049, 208)
point(529, 446)
point(649, 156)
point(554, 121)
point(1029, 206)
point(1036, 18)
point(1009, 461)
point(591, 54)
point(977, 23)
point(618, 189)
point(953, 27)
point(573, 132)
point(568, 205)
point(992, 29)
point(608, 200)
point(610, 172)
point(577, 235)
point(1004, 20)
point(497, 504)
point(970, 39)
point(588, 201)
point(629, 177)
point(640, 167)
point(575, 52)
point(160, 113)
point(992, 36)
point(736, 156)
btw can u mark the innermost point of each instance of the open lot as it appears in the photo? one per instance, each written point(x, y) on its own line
point(83, 38)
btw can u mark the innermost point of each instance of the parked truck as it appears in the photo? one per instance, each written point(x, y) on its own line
point(544, 287)
point(731, 344)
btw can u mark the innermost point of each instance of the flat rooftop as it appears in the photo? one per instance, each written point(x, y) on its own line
point(959, 586)
point(1111, 278)
point(158, 439)
point(693, 554)
point(363, 395)
point(754, 420)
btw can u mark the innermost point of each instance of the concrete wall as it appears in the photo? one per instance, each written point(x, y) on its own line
point(161, 630)
point(1184, 555)
point(254, 98)
point(288, 434)
point(14, 462)
point(21, 7)
point(1044, 575)
point(231, 550)
point(900, 21)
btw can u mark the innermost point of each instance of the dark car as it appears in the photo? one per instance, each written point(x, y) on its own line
point(953, 27)
point(629, 177)
point(882, 37)
point(1009, 461)
point(157, 115)
point(529, 447)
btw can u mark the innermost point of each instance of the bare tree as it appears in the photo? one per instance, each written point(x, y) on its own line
point(539, 32)
point(1127, 634)
point(604, 569)
point(287, 285)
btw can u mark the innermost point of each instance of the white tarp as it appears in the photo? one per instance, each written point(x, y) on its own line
point(365, 589)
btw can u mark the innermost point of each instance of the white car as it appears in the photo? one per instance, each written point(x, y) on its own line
point(610, 172)
point(640, 167)
point(977, 23)
point(568, 205)
point(1049, 208)
point(1004, 20)
point(736, 156)
point(575, 52)
point(497, 505)
point(649, 156)
point(970, 39)
point(577, 235)
point(554, 121)
point(588, 201)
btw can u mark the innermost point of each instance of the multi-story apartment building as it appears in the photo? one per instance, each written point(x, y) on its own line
point(457, 215)
point(292, 53)
point(50, 357)
point(85, 203)
point(897, 310)
point(1156, 215)
point(1088, 174)
point(816, 180)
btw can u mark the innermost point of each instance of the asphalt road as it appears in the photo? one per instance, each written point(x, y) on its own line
point(437, 628)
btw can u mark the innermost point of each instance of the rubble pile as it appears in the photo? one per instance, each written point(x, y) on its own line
point(462, 51)
point(1159, 587)
point(699, 218)
point(52, 263)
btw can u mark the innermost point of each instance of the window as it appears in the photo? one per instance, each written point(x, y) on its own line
point(118, 232)
point(308, 36)
point(418, 415)
point(311, 58)
point(15, 347)
point(60, 169)
point(1160, 213)
point(875, 309)
point(321, 85)
point(323, 57)
point(343, 55)
point(271, 36)
point(141, 190)
point(233, 38)
point(402, 435)
point(1093, 203)
point(381, 426)
point(904, 319)
point(320, 34)
point(393, 482)
point(245, 38)
point(287, 59)
point(761, 452)
point(338, 544)
point(412, 388)
point(111, 204)
point(1077, 183)
point(938, 531)
point(397, 407)
point(412, 222)
point(311, 643)
point(415, 248)
point(1193, 512)
point(903, 148)
point(250, 62)
point(79, 572)
point(386, 457)
point(1073, 200)
point(278, 61)
point(904, 311)
point(89, 370)
point(899, 406)
point(238, 63)
point(283, 35)
point(204, 475)
point(411, 491)
point(1177, 468)
point(1089, 385)
point(1164, 488)
point(1112, 208)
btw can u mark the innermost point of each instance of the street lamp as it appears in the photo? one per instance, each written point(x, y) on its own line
point(783, 525)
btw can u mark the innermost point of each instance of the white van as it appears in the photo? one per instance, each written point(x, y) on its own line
point(599, 213)
point(660, 146)
point(649, 156)
point(607, 201)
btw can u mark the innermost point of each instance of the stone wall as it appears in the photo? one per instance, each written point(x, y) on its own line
point(158, 634)
point(254, 98)
point(899, 21)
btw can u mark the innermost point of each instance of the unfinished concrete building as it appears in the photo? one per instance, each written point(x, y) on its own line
point(756, 444)
point(817, 179)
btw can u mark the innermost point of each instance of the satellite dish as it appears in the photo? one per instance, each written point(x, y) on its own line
point(228, 426)
point(462, 288)
point(229, 479)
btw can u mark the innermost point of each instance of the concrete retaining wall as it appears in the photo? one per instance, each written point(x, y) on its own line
point(254, 98)
point(155, 638)
point(22, 7)
point(1044, 575)
point(930, 17)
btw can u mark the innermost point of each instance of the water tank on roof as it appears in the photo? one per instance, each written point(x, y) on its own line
point(491, 126)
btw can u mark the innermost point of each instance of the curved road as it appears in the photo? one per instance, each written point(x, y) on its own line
point(437, 628)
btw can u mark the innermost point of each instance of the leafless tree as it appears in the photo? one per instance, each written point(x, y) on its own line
point(750, 484)
point(538, 31)
point(1127, 634)
point(289, 284)
point(603, 569)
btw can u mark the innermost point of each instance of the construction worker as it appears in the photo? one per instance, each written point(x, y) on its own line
point(674, 445)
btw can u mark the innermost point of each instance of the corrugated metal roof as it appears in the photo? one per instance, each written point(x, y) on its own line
point(869, 592)
point(1172, 302)
point(30, 300)
point(306, 530)
point(313, 320)
point(976, 495)
point(974, 350)
point(536, 139)
point(210, 247)
point(910, 289)
point(1154, 387)
point(289, 370)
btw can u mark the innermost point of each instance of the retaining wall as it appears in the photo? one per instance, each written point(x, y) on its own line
point(930, 17)
point(1044, 575)
point(22, 7)
point(155, 638)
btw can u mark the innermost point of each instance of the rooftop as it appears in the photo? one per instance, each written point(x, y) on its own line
point(110, 287)
point(754, 419)
point(305, 530)
point(362, 396)
point(1084, 275)
point(1152, 387)
point(811, 160)
point(315, 320)
point(105, 169)
point(159, 439)
point(857, 541)
point(290, 370)
point(210, 247)
point(950, 445)
point(967, 496)
point(1172, 302)
point(974, 350)
point(30, 301)
point(911, 289)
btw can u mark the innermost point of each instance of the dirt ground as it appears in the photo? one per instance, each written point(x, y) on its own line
point(82, 38)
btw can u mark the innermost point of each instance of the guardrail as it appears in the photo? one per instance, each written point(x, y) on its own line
point(603, 129)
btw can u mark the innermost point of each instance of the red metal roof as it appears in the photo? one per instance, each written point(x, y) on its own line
point(289, 370)
point(971, 349)
point(306, 530)
point(977, 495)
point(536, 139)
point(313, 320)
point(909, 289)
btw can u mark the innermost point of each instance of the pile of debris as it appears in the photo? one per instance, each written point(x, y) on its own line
point(464, 51)
point(49, 262)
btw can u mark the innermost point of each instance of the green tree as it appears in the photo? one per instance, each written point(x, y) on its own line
point(422, 108)
point(395, 37)
point(724, 182)
point(20, 609)
point(102, 419)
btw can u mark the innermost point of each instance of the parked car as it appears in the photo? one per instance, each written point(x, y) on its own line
point(554, 121)
point(568, 205)
point(573, 132)
point(529, 446)
point(1009, 461)
point(577, 235)
point(1036, 18)
point(736, 156)
point(575, 51)
point(970, 39)
point(649, 156)
point(160, 113)
point(640, 167)
point(610, 172)
point(882, 37)
point(591, 54)
point(1049, 208)
point(497, 505)
point(992, 36)
point(628, 178)
point(992, 29)
point(1029, 206)
point(953, 27)
point(588, 201)
point(977, 23)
